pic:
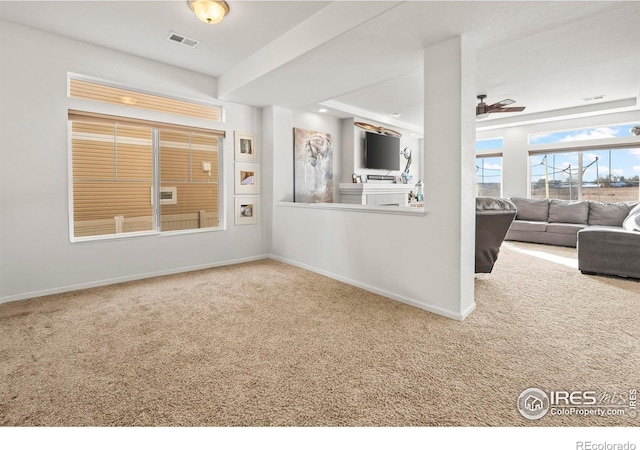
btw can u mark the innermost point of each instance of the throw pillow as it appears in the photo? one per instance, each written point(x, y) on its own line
point(608, 214)
point(533, 209)
point(632, 222)
point(565, 211)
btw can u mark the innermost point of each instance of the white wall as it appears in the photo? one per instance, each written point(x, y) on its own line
point(515, 169)
point(403, 257)
point(36, 255)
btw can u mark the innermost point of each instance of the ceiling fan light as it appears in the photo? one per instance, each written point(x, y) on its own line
point(209, 11)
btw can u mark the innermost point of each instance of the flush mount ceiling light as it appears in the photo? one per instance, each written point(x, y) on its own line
point(209, 11)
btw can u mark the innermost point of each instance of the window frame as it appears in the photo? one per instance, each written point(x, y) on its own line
point(78, 115)
point(493, 155)
point(580, 150)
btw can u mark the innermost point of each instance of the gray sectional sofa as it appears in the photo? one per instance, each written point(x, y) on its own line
point(557, 222)
point(607, 235)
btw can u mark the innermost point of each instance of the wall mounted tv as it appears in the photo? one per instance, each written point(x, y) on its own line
point(381, 151)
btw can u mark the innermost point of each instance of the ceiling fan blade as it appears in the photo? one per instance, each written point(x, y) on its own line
point(512, 109)
point(483, 110)
point(505, 102)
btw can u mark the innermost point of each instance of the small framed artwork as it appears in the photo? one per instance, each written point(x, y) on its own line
point(247, 178)
point(245, 148)
point(398, 180)
point(246, 211)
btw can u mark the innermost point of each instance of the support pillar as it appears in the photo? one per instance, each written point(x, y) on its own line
point(449, 162)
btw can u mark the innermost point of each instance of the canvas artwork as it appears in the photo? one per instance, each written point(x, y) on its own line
point(313, 166)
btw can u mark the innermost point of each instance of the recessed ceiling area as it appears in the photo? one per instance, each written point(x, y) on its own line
point(367, 56)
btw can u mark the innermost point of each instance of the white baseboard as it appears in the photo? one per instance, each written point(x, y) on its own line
point(140, 276)
point(424, 306)
point(76, 287)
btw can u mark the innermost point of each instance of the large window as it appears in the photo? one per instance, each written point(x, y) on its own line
point(489, 167)
point(132, 176)
point(609, 175)
point(489, 176)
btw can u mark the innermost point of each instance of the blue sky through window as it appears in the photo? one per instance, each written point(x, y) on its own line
point(625, 162)
point(582, 134)
point(489, 144)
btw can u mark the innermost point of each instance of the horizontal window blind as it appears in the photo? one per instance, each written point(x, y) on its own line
point(113, 184)
point(112, 177)
point(92, 90)
point(108, 119)
point(189, 164)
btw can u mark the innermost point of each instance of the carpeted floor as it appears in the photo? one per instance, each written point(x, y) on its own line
point(267, 344)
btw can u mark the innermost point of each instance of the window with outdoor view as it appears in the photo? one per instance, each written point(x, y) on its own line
point(489, 176)
point(606, 175)
point(489, 168)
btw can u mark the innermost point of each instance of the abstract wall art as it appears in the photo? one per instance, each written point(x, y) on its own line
point(313, 166)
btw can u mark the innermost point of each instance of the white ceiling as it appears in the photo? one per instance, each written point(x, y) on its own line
point(367, 56)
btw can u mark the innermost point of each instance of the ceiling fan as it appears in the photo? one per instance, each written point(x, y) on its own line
point(483, 110)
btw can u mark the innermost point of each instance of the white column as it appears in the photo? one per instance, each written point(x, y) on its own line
point(277, 165)
point(449, 163)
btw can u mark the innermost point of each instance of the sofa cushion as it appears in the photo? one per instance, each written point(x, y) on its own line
point(565, 211)
point(608, 214)
point(534, 209)
point(526, 225)
point(565, 228)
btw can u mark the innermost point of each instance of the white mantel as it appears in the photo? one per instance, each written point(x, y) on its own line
point(375, 194)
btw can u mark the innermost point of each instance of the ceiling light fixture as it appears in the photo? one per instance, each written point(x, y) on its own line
point(209, 11)
point(323, 110)
point(396, 114)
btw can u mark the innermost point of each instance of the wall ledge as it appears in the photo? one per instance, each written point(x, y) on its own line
point(396, 210)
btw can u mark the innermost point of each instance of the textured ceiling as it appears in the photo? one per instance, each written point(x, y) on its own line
point(367, 56)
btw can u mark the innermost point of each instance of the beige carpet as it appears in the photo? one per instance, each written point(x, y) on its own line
point(265, 344)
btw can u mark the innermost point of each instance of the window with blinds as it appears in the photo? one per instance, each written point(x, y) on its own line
point(131, 176)
point(103, 92)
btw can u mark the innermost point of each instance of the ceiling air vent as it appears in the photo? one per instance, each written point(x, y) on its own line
point(189, 42)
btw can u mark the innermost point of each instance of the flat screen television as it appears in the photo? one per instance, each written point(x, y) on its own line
point(381, 151)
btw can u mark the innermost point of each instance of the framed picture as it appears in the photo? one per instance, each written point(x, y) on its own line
point(245, 148)
point(246, 211)
point(247, 178)
point(312, 167)
point(398, 180)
